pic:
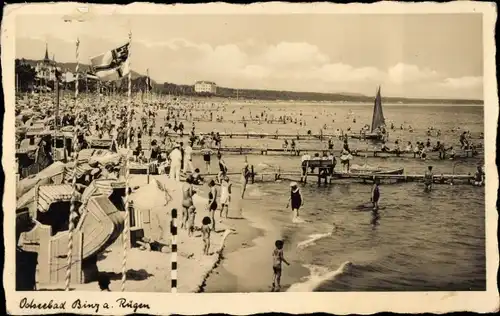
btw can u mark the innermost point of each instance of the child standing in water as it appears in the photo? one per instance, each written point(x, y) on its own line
point(295, 200)
point(205, 231)
point(278, 258)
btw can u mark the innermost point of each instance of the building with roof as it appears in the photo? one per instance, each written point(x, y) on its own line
point(205, 87)
point(45, 70)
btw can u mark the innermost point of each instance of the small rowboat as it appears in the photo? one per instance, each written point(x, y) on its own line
point(374, 170)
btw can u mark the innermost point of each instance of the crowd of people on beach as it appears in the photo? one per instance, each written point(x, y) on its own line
point(169, 148)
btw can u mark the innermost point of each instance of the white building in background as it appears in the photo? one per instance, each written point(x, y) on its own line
point(45, 70)
point(205, 87)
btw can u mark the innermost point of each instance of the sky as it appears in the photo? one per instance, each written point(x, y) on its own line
point(419, 55)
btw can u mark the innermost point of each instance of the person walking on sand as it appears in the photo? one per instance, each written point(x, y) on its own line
point(175, 163)
point(225, 196)
point(278, 258)
point(212, 201)
point(222, 168)
point(187, 200)
point(188, 158)
point(295, 200)
point(205, 232)
point(191, 220)
point(206, 158)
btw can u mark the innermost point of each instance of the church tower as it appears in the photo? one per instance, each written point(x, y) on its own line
point(46, 59)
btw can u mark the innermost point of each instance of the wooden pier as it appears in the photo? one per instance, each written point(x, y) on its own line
point(366, 178)
point(264, 150)
point(297, 136)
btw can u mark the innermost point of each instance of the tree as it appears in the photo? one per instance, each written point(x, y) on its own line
point(25, 74)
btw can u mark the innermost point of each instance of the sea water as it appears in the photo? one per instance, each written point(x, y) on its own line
point(420, 241)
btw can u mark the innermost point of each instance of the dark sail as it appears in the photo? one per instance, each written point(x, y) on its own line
point(378, 119)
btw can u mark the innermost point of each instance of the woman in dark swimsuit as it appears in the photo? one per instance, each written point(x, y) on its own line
point(206, 157)
point(295, 199)
point(212, 202)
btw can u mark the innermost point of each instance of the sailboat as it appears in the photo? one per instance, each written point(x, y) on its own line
point(377, 128)
point(378, 120)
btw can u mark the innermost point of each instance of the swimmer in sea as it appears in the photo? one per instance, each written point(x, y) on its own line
point(479, 177)
point(428, 179)
point(375, 196)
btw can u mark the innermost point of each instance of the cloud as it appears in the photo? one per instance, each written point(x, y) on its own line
point(293, 54)
point(463, 82)
point(340, 72)
point(286, 65)
point(403, 73)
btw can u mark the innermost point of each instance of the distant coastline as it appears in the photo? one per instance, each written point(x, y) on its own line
point(139, 84)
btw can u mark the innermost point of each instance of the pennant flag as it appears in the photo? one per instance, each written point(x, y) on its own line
point(113, 64)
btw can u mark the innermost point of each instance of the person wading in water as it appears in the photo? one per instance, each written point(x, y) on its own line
point(375, 195)
point(428, 179)
point(245, 174)
point(295, 200)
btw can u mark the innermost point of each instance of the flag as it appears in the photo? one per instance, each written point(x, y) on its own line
point(149, 86)
point(68, 77)
point(58, 74)
point(113, 64)
point(91, 75)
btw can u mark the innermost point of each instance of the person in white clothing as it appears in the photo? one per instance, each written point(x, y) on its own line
point(225, 196)
point(175, 163)
point(188, 159)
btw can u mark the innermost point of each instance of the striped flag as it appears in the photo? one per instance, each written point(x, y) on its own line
point(113, 64)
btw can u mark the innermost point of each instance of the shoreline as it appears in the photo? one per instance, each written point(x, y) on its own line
point(248, 268)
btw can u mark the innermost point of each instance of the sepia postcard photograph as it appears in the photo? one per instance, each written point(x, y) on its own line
point(284, 157)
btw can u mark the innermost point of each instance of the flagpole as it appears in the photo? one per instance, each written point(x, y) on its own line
point(77, 53)
point(129, 121)
point(148, 95)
